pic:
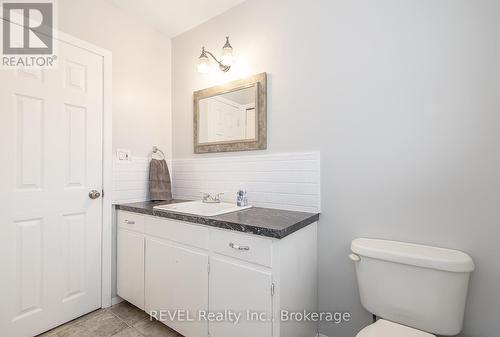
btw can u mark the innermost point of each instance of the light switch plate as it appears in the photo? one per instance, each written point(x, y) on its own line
point(123, 155)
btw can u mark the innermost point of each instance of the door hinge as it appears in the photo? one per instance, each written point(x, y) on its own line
point(102, 193)
point(208, 270)
point(272, 289)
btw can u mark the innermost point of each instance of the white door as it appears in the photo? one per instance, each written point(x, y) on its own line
point(51, 158)
point(251, 123)
point(177, 279)
point(241, 288)
point(227, 120)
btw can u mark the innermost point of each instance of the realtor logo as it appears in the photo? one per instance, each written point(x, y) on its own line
point(28, 34)
point(27, 28)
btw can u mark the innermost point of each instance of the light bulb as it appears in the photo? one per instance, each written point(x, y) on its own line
point(227, 58)
point(203, 68)
point(203, 63)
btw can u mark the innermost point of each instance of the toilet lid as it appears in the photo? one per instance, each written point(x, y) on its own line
point(383, 328)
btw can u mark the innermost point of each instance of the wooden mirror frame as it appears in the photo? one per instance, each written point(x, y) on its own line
point(234, 145)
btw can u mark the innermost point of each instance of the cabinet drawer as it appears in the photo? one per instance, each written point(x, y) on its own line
point(244, 247)
point(182, 232)
point(130, 221)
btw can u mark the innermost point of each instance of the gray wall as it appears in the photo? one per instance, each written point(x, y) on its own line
point(141, 77)
point(402, 98)
point(141, 71)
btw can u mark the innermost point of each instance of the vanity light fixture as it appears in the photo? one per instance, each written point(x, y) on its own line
point(225, 63)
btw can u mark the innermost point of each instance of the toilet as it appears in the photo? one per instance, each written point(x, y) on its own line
point(414, 290)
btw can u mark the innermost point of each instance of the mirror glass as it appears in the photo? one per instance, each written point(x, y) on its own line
point(229, 116)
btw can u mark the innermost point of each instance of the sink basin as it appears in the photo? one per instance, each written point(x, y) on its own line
point(201, 208)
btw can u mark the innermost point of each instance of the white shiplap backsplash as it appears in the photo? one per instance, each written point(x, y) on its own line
point(130, 180)
point(285, 181)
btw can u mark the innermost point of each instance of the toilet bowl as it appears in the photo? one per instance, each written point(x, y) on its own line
point(383, 328)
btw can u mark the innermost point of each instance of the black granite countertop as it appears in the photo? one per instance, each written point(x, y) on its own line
point(273, 223)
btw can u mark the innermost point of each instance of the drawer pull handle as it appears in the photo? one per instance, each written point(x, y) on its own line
point(238, 247)
point(130, 222)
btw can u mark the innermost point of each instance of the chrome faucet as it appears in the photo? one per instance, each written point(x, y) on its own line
point(211, 199)
point(241, 198)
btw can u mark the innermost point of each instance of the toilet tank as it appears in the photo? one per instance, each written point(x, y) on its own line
point(419, 286)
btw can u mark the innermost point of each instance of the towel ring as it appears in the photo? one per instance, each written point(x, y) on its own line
point(156, 150)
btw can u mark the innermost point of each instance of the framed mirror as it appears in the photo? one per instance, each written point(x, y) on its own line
point(231, 117)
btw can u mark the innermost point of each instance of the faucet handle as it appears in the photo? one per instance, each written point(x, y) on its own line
point(207, 197)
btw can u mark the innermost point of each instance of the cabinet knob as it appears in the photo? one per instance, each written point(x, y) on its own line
point(238, 247)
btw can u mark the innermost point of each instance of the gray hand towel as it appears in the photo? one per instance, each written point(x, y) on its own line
point(159, 180)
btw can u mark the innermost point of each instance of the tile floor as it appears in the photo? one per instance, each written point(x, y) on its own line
point(121, 320)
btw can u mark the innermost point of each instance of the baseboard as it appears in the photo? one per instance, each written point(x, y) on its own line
point(321, 335)
point(116, 300)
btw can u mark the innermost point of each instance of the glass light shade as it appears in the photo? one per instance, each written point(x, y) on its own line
point(203, 64)
point(227, 58)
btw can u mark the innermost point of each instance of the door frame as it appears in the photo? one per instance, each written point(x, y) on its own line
point(107, 161)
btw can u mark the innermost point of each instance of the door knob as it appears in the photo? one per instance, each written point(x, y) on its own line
point(94, 194)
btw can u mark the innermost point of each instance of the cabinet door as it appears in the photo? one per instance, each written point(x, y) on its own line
point(240, 288)
point(177, 286)
point(130, 267)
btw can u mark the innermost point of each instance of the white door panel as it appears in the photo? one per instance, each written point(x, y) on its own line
point(177, 279)
point(130, 267)
point(240, 288)
point(226, 121)
point(50, 231)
